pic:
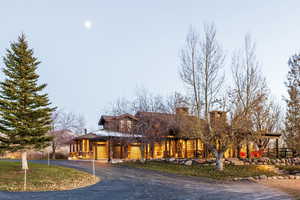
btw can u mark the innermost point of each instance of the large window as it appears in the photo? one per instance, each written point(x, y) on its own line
point(125, 125)
point(122, 124)
point(129, 124)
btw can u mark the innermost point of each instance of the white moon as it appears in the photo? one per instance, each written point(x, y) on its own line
point(88, 24)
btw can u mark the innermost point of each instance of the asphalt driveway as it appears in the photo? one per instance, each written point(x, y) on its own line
point(121, 183)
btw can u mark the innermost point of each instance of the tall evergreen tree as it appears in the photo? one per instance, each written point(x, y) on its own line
point(292, 120)
point(25, 113)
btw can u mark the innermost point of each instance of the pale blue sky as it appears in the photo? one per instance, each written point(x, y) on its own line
point(136, 43)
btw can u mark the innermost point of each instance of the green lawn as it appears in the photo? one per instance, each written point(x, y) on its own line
point(42, 177)
point(204, 171)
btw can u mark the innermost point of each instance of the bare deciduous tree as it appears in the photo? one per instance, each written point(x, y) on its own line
point(67, 120)
point(190, 70)
point(267, 119)
point(212, 61)
point(63, 125)
point(60, 139)
point(292, 119)
point(249, 90)
point(201, 64)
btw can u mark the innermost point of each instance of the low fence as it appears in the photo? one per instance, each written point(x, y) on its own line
point(280, 153)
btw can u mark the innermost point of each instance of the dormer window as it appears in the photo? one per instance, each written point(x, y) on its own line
point(125, 125)
point(122, 124)
point(129, 124)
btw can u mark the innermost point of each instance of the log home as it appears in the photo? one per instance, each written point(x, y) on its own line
point(148, 135)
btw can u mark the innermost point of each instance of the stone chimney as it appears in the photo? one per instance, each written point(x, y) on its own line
point(182, 110)
point(216, 116)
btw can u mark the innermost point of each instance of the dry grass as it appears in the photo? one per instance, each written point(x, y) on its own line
point(42, 177)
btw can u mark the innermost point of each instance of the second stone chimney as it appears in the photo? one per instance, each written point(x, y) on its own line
point(217, 116)
point(182, 110)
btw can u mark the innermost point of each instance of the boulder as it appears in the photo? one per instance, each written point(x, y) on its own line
point(235, 161)
point(262, 177)
point(201, 161)
point(250, 179)
point(188, 163)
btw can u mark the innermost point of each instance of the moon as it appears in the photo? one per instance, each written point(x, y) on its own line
point(88, 24)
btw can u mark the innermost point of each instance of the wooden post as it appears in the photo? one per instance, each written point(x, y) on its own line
point(205, 151)
point(166, 149)
point(109, 150)
point(277, 148)
point(186, 153)
point(196, 155)
point(146, 151)
point(170, 147)
point(25, 179)
point(176, 148)
point(121, 150)
point(94, 174)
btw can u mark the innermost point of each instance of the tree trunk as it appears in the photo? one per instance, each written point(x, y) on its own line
point(219, 161)
point(53, 153)
point(238, 151)
point(24, 160)
point(248, 150)
point(142, 148)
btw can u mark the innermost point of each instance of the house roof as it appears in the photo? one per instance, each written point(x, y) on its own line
point(106, 133)
point(106, 118)
point(86, 136)
point(99, 134)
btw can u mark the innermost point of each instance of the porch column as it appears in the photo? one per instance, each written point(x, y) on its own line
point(196, 154)
point(166, 149)
point(277, 148)
point(121, 150)
point(110, 149)
point(146, 152)
point(176, 149)
point(186, 153)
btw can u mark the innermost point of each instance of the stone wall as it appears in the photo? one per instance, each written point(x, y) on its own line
point(235, 161)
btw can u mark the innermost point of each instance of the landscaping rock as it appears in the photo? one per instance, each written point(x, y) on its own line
point(235, 161)
point(263, 177)
point(188, 163)
point(250, 179)
point(291, 177)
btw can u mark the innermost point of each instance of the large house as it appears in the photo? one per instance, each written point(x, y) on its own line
point(148, 135)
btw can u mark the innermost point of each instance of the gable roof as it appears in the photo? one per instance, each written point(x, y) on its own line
point(106, 118)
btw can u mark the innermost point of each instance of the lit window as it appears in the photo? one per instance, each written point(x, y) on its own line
point(122, 124)
point(129, 124)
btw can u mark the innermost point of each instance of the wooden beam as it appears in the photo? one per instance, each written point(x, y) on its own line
point(186, 154)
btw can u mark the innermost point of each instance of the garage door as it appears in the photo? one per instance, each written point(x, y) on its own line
point(102, 152)
point(135, 152)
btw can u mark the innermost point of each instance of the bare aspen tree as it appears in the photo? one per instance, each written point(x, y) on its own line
point(249, 88)
point(202, 60)
point(212, 61)
point(267, 119)
point(190, 67)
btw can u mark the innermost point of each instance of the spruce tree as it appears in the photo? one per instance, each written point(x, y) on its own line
point(25, 112)
point(292, 120)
